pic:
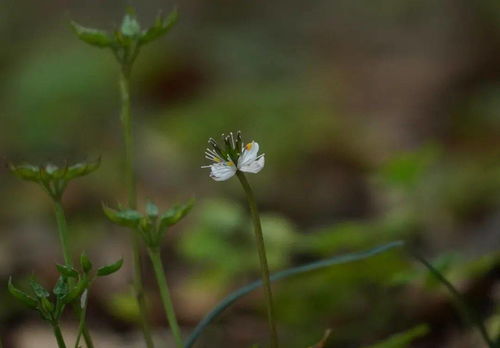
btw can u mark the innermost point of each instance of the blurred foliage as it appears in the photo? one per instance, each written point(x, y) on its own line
point(322, 342)
point(369, 138)
point(228, 252)
point(124, 306)
point(402, 339)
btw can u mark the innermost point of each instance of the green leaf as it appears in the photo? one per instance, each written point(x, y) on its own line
point(128, 218)
point(233, 297)
point(67, 271)
point(110, 269)
point(85, 262)
point(130, 26)
point(38, 289)
point(22, 296)
point(151, 209)
point(160, 27)
point(26, 172)
point(174, 214)
point(61, 288)
point(93, 37)
point(81, 169)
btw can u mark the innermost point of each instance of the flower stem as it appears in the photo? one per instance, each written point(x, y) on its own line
point(165, 296)
point(62, 227)
point(262, 256)
point(59, 336)
point(128, 138)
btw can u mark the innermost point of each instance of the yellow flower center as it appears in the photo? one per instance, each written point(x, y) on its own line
point(248, 146)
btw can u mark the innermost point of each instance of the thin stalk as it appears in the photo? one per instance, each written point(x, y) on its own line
point(165, 296)
point(264, 268)
point(62, 227)
point(81, 325)
point(460, 300)
point(128, 139)
point(59, 336)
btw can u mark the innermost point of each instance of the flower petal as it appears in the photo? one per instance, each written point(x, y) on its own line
point(253, 167)
point(222, 171)
point(249, 154)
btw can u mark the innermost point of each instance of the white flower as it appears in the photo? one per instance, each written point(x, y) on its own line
point(246, 157)
point(249, 160)
point(222, 171)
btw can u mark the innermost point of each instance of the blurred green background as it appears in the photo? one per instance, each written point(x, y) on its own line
point(380, 120)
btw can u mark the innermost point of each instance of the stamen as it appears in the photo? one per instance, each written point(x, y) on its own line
point(232, 141)
point(216, 148)
point(213, 158)
point(239, 141)
point(227, 141)
point(211, 152)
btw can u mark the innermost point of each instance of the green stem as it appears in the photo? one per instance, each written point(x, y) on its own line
point(165, 296)
point(126, 121)
point(59, 336)
point(85, 331)
point(81, 325)
point(139, 292)
point(128, 137)
point(264, 268)
point(62, 227)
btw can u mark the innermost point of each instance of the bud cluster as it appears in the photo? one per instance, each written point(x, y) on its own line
point(52, 178)
point(151, 226)
point(70, 286)
point(126, 41)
